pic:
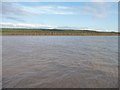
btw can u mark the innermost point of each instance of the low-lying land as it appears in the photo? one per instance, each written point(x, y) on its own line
point(62, 32)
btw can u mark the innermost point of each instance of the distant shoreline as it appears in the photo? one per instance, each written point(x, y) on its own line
point(54, 32)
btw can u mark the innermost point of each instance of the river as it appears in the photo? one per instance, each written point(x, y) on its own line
point(59, 61)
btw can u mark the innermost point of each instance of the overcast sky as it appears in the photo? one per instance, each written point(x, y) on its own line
point(76, 15)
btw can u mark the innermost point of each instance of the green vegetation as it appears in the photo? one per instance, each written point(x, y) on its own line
point(13, 31)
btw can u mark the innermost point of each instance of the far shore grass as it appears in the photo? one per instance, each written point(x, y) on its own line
point(53, 32)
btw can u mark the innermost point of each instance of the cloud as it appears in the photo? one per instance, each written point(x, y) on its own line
point(15, 11)
point(104, 0)
point(60, 0)
point(39, 26)
point(61, 10)
point(95, 13)
point(97, 0)
point(24, 25)
point(67, 27)
point(12, 11)
point(98, 10)
point(14, 18)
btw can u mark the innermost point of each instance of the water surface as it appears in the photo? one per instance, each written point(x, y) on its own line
point(60, 61)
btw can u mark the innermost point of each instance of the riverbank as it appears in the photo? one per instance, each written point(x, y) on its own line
point(54, 32)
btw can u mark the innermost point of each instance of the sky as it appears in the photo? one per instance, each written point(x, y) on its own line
point(100, 16)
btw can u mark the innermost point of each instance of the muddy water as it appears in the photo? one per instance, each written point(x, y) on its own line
point(59, 61)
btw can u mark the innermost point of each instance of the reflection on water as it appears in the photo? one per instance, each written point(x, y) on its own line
point(60, 61)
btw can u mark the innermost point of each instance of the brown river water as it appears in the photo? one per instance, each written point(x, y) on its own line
point(59, 61)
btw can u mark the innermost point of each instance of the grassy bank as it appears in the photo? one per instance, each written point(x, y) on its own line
point(35, 32)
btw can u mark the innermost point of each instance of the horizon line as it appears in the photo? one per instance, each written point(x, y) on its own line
point(61, 29)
